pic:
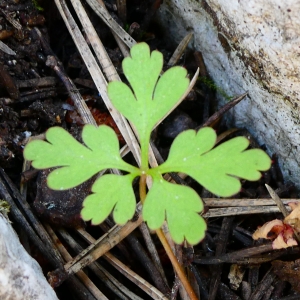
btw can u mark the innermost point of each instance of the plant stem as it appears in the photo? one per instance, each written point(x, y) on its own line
point(177, 267)
point(142, 185)
point(144, 142)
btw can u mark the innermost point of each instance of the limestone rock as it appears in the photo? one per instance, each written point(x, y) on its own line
point(21, 277)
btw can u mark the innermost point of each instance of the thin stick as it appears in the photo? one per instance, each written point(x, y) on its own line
point(112, 283)
point(180, 49)
point(96, 73)
point(152, 250)
point(240, 202)
point(100, 52)
point(142, 256)
point(6, 49)
point(84, 278)
point(79, 102)
point(111, 75)
point(277, 200)
point(234, 211)
point(249, 256)
point(223, 109)
point(221, 244)
point(175, 264)
point(104, 244)
point(121, 44)
point(111, 23)
point(179, 255)
point(264, 285)
point(123, 269)
point(93, 68)
point(162, 238)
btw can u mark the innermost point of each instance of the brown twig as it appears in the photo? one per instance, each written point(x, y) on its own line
point(235, 211)
point(56, 66)
point(225, 293)
point(263, 286)
point(182, 292)
point(102, 12)
point(112, 283)
point(207, 92)
point(244, 202)
point(152, 251)
point(122, 246)
point(127, 272)
point(152, 271)
point(36, 82)
point(176, 266)
point(277, 200)
point(222, 110)
point(180, 49)
point(80, 274)
point(95, 250)
point(220, 249)
point(247, 256)
point(37, 95)
point(202, 287)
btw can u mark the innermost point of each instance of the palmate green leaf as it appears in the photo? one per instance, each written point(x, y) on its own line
point(110, 192)
point(151, 97)
point(219, 169)
point(148, 99)
point(78, 162)
point(180, 206)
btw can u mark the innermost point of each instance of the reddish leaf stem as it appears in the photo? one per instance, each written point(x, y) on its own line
point(177, 267)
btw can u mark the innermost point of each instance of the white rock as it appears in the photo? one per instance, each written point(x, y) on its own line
point(21, 277)
point(250, 46)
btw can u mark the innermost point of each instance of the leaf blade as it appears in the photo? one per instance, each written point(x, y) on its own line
point(110, 192)
point(180, 206)
point(151, 96)
point(215, 169)
point(78, 162)
point(142, 70)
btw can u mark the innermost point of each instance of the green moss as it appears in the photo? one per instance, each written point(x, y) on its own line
point(4, 208)
point(37, 5)
point(211, 84)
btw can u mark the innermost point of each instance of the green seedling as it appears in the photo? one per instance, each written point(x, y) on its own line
point(149, 99)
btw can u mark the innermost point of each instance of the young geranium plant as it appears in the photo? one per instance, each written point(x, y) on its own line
point(149, 98)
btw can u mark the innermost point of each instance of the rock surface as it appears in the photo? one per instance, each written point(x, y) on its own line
point(21, 277)
point(250, 46)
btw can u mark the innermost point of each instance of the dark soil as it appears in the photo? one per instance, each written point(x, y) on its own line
point(33, 98)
